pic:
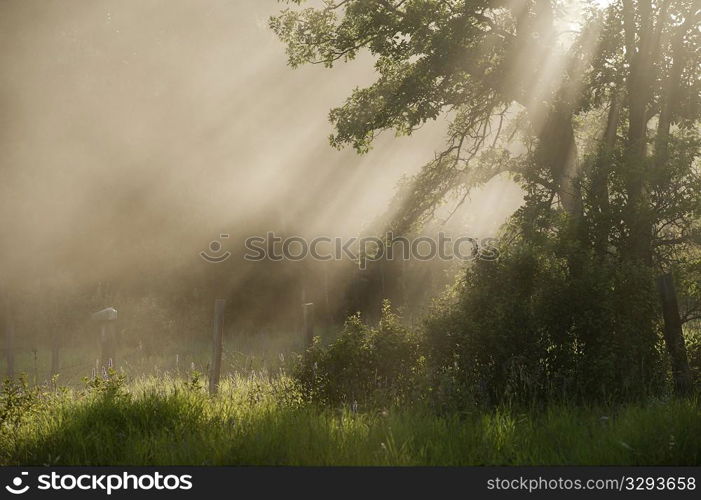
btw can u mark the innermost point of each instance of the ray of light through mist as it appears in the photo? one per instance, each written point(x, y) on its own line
point(134, 133)
point(137, 131)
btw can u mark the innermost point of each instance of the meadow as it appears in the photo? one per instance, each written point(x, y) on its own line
point(562, 139)
point(262, 419)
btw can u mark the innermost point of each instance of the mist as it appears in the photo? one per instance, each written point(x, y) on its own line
point(136, 133)
point(350, 232)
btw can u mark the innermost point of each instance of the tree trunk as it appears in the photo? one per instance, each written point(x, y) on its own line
point(600, 179)
point(638, 217)
point(673, 335)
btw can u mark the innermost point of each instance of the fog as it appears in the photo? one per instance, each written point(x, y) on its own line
point(134, 133)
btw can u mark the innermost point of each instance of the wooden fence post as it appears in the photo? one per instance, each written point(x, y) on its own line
point(9, 338)
point(55, 345)
point(309, 323)
point(106, 319)
point(35, 352)
point(217, 346)
point(111, 351)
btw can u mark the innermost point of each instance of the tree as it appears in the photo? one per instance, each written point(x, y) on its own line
point(473, 60)
point(517, 90)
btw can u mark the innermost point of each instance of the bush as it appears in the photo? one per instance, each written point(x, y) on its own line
point(527, 329)
point(693, 349)
point(109, 387)
point(18, 400)
point(366, 365)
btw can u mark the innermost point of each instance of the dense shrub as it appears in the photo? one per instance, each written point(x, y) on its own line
point(528, 329)
point(366, 365)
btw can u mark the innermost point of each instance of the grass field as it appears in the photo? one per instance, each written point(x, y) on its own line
point(261, 420)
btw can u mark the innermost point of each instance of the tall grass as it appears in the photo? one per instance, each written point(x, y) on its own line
point(262, 420)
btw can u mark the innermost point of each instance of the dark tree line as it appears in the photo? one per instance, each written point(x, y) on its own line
point(600, 127)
